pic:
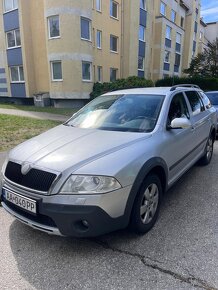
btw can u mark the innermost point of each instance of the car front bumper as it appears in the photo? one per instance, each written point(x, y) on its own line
point(78, 216)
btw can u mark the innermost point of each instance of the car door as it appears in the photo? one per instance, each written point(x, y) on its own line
point(200, 120)
point(179, 145)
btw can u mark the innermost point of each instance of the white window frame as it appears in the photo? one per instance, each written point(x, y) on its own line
point(141, 26)
point(87, 80)
point(173, 16)
point(14, 32)
point(52, 71)
point(90, 28)
point(164, 6)
point(142, 69)
point(99, 74)
point(170, 37)
point(98, 3)
point(49, 30)
point(99, 34)
point(14, 4)
point(117, 4)
point(19, 79)
point(114, 51)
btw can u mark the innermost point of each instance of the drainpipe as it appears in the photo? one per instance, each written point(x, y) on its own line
point(122, 38)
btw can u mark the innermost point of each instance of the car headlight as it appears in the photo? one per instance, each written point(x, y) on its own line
point(86, 184)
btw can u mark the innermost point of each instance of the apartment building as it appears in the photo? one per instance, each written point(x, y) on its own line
point(61, 47)
point(212, 31)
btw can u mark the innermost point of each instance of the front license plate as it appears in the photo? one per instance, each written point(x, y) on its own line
point(20, 201)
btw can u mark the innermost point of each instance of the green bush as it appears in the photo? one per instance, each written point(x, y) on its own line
point(206, 84)
point(120, 84)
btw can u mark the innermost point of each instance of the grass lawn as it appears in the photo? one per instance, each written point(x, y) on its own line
point(14, 130)
point(59, 111)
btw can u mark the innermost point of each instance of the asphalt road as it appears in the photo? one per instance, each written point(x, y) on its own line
point(181, 252)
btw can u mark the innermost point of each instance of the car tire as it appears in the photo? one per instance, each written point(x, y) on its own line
point(146, 206)
point(205, 160)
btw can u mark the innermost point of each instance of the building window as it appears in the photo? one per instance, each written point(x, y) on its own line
point(99, 39)
point(168, 32)
point(99, 74)
point(85, 28)
point(113, 43)
point(98, 5)
point(163, 8)
point(56, 69)
point(201, 35)
point(167, 56)
point(178, 37)
point(196, 27)
point(10, 5)
point(13, 38)
point(177, 59)
point(141, 63)
point(114, 9)
point(141, 33)
point(143, 4)
point(173, 15)
point(54, 26)
point(113, 74)
point(17, 75)
point(86, 71)
point(178, 41)
point(182, 22)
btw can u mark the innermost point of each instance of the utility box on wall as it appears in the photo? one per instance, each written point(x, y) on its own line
point(42, 100)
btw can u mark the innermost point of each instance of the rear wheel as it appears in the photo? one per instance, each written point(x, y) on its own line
point(146, 207)
point(205, 160)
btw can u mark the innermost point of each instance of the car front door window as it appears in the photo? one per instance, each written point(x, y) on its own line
point(178, 108)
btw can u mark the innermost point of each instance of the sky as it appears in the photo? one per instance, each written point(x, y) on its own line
point(209, 10)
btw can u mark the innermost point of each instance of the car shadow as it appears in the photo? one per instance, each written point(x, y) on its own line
point(47, 262)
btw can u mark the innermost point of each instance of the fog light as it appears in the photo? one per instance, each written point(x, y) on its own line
point(85, 224)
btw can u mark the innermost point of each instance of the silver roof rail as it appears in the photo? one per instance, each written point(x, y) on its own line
point(173, 88)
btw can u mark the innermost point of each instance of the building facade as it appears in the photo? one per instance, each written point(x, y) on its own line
point(61, 47)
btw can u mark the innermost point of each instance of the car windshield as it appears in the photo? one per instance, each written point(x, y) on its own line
point(130, 112)
point(213, 98)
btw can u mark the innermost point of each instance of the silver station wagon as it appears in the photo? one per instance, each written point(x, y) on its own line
point(108, 166)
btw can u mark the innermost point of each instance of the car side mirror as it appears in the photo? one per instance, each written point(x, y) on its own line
point(180, 123)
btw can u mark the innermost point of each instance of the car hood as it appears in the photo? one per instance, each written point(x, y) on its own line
point(66, 147)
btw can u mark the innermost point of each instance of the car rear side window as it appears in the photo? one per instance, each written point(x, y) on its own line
point(195, 102)
point(206, 100)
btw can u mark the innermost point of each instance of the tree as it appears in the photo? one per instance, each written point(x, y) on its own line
point(205, 64)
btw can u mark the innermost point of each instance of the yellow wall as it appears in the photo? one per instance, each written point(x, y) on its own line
point(38, 50)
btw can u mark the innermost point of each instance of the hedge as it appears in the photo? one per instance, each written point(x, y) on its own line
point(120, 84)
point(206, 84)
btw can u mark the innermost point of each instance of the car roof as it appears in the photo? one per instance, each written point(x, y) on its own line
point(212, 92)
point(151, 90)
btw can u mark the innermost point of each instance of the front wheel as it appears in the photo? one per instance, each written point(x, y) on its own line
point(205, 160)
point(147, 204)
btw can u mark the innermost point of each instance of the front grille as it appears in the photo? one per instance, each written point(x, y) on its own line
point(39, 218)
point(35, 179)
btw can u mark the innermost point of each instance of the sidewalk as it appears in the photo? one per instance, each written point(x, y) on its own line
point(35, 115)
